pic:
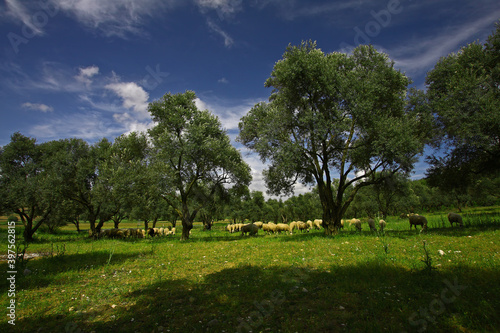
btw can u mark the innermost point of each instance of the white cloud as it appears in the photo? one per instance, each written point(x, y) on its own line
point(89, 71)
point(18, 11)
point(88, 126)
point(114, 17)
point(228, 40)
point(134, 96)
point(38, 107)
point(223, 80)
point(228, 111)
point(224, 8)
point(200, 104)
point(86, 73)
point(420, 55)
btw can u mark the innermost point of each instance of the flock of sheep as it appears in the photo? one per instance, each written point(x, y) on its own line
point(272, 228)
point(135, 233)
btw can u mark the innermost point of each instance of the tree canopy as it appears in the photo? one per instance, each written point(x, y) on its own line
point(463, 92)
point(194, 155)
point(333, 114)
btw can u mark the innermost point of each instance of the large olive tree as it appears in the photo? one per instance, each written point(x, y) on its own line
point(333, 115)
point(194, 156)
point(463, 91)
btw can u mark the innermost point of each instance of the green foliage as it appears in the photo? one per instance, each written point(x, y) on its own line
point(333, 113)
point(463, 93)
point(13, 218)
point(194, 156)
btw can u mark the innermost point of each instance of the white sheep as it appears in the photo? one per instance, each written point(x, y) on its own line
point(310, 224)
point(382, 225)
point(455, 218)
point(318, 223)
point(259, 224)
point(292, 226)
point(356, 223)
point(302, 226)
point(269, 227)
point(282, 227)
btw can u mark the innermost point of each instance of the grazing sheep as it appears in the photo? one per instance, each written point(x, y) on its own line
point(302, 226)
point(455, 218)
point(172, 232)
point(249, 228)
point(418, 220)
point(371, 224)
point(356, 223)
point(269, 227)
point(318, 224)
point(282, 227)
point(310, 224)
point(382, 225)
point(342, 224)
point(259, 224)
point(154, 232)
point(292, 226)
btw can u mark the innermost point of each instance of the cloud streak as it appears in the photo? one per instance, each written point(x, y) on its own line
point(38, 107)
point(422, 54)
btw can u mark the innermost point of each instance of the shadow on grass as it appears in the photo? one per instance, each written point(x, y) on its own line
point(43, 270)
point(369, 297)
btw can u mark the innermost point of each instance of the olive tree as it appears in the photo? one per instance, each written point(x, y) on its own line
point(194, 154)
point(463, 92)
point(25, 183)
point(333, 115)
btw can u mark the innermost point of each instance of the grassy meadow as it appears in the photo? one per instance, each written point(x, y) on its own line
point(443, 280)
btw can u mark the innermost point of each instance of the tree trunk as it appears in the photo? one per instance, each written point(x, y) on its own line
point(28, 231)
point(186, 228)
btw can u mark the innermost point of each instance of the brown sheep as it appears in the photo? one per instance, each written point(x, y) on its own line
point(455, 218)
point(250, 228)
point(371, 224)
point(418, 220)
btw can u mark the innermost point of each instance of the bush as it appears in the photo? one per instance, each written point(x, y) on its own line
point(13, 218)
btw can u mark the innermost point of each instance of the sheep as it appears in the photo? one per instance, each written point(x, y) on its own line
point(371, 224)
point(302, 226)
point(317, 224)
point(249, 228)
point(269, 227)
point(310, 224)
point(356, 223)
point(418, 220)
point(382, 225)
point(154, 232)
point(292, 226)
point(282, 227)
point(259, 224)
point(172, 232)
point(455, 218)
point(342, 224)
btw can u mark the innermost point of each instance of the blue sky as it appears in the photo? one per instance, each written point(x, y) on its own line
point(88, 68)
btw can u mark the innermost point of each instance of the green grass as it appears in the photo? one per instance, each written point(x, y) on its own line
point(305, 282)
